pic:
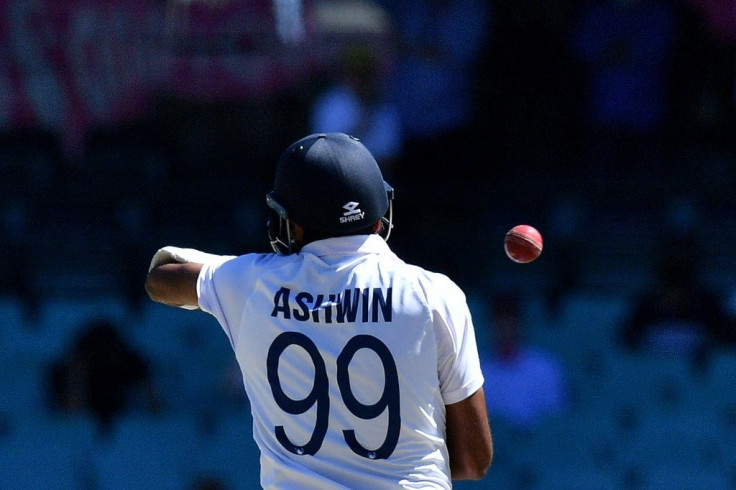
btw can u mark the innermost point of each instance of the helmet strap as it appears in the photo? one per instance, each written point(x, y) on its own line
point(281, 235)
point(387, 222)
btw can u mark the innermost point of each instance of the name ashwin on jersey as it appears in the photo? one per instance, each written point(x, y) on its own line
point(352, 305)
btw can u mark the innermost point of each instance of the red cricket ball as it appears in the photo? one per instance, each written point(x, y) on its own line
point(523, 244)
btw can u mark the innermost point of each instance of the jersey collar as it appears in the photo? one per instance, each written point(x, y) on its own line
point(347, 245)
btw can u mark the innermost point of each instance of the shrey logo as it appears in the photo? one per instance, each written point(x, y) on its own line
point(352, 212)
point(351, 208)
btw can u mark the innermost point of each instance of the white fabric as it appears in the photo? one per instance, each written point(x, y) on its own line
point(420, 317)
point(171, 254)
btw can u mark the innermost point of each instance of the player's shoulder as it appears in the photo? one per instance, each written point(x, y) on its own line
point(435, 284)
point(252, 263)
point(432, 277)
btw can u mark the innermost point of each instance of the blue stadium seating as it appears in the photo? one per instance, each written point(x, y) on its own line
point(52, 452)
point(146, 452)
point(637, 421)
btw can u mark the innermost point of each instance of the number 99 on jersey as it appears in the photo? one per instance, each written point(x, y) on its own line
point(318, 398)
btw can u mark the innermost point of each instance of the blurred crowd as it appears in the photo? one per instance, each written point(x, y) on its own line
point(476, 110)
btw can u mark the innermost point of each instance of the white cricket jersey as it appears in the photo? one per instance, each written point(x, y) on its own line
point(349, 356)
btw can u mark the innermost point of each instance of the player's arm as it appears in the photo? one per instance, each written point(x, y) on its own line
point(174, 284)
point(469, 439)
point(173, 274)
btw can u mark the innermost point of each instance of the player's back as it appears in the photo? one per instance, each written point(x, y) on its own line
point(340, 352)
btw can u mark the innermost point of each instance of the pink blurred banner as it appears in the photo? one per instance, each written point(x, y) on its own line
point(67, 65)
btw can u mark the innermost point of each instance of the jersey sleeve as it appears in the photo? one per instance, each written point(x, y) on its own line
point(212, 293)
point(458, 363)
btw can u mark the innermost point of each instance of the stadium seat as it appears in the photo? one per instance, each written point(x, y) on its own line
point(678, 476)
point(673, 440)
point(229, 453)
point(52, 452)
point(14, 325)
point(643, 382)
point(721, 377)
point(61, 319)
point(11, 308)
point(24, 389)
point(189, 351)
point(579, 477)
point(590, 321)
point(165, 332)
point(146, 452)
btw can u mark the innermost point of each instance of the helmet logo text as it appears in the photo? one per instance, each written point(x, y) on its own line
point(352, 212)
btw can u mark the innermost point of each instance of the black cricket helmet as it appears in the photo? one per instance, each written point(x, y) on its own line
point(329, 184)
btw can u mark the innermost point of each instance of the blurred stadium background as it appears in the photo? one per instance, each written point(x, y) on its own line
point(128, 125)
